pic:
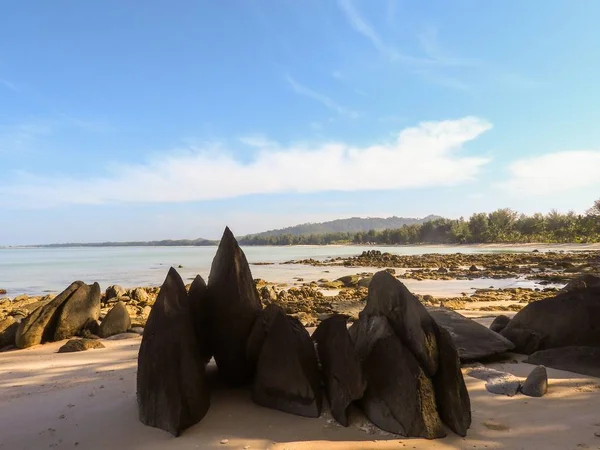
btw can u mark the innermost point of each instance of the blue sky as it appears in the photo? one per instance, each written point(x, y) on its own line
point(124, 120)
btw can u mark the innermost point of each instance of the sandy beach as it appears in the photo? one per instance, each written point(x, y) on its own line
point(87, 400)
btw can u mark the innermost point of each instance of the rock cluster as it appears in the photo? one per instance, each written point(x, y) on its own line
point(397, 364)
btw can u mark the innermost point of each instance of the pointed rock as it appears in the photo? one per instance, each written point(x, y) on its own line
point(234, 303)
point(260, 329)
point(172, 393)
point(344, 380)
point(40, 325)
point(287, 373)
point(79, 309)
point(116, 321)
point(569, 319)
point(472, 340)
point(407, 316)
point(198, 295)
point(452, 397)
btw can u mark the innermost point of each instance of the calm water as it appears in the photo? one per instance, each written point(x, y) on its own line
point(38, 270)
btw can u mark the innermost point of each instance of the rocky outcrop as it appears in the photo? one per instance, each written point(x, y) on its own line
point(114, 292)
point(116, 321)
point(287, 373)
point(569, 319)
point(407, 316)
point(411, 365)
point(234, 304)
point(583, 360)
point(344, 381)
point(171, 388)
point(80, 308)
point(80, 345)
point(52, 321)
point(472, 340)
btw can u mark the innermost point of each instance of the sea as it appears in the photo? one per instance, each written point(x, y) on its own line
point(37, 271)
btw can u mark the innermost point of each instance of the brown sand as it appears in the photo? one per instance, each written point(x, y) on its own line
point(87, 400)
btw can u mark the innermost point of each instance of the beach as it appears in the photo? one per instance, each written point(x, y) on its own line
point(87, 400)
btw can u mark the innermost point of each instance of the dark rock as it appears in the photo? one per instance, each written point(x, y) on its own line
point(341, 366)
point(114, 291)
point(198, 295)
point(349, 280)
point(499, 323)
point(122, 336)
point(583, 360)
point(473, 268)
point(80, 308)
point(40, 325)
point(2, 291)
point(8, 331)
point(79, 345)
point(536, 384)
point(585, 281)
point(399, 397)
point(472, 340)
point(452, 398)
point(407, 316)
point(287, 373)
point(171, 388)
point(443, 270)
point(569, 319)
point(234, 305)
point(116, 321)
point(259, 331)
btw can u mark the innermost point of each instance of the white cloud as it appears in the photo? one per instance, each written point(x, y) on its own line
point(554, 172)
point(422, 156)
point(9, 85)
point(321, 98)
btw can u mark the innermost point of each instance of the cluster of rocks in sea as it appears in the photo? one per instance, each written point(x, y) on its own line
point(395, 362)
point(549, 267)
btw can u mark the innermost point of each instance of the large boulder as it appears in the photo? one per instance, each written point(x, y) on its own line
point(341, 366)
point(287, 373)
point(234, 303)
point(452, 397)
point(80, 308)
point(399, 397)
point(116, 321)
point(259, 331)
point(569, 319)
point(582, 282)
point(583, 360)
point(198, 295)
point(80, 345)
point(172, 393)
point(472, 340)
point(407, 316)
point(499, 323)
point(8, 331)
point(40, 325)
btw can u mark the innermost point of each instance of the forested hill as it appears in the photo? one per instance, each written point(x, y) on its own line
point(164, 243)
point(351, 225)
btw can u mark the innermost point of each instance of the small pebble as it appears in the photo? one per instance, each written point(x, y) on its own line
point(224, 441)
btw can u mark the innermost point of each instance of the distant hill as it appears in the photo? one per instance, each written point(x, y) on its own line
point(164, 243)
point(351, 225)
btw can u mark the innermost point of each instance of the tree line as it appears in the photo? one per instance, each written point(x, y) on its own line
point(501, 226)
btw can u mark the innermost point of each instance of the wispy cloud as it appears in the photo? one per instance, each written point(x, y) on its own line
point(421, 156)
point(9, 85)
point(428, 38)
point(321, 98)
point(554, 172)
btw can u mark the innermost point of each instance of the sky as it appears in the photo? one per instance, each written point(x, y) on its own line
point(127, 120)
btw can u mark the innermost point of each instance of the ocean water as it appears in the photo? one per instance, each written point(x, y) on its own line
point(35, 271)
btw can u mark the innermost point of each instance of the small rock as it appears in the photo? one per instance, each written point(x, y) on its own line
point(79, 345)
point(121, 336)
point(224, 441)
point(138, 330)
point(536, 384)
point(139, 294)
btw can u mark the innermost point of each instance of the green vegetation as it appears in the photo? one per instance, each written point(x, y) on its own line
point(501, 226)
